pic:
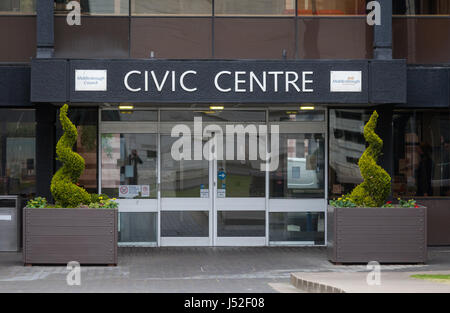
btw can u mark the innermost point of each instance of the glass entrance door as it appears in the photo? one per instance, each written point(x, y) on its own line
point(186, 199)
point(170, 194)
point(239, 195)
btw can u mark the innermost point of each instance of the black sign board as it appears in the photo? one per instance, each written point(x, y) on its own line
point(208, 81)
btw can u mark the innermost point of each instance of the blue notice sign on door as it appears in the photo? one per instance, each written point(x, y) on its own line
point(222, 175)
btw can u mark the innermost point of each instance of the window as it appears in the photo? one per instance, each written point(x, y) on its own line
point(14, 7)
point(296, 116)
point(241, 223)
point(254, 7)
point(96, 7)
point(129, 165)
point(129, 116)
point(421, 7)
point(346, 146)
point(422, 154)
point(172, 7)
point(331, 7)
point(138, 227)
point(301, 227)
point(17, 153)
point(300, 172)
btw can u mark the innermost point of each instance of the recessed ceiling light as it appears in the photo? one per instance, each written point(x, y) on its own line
point(307, 107)
point(216, 107)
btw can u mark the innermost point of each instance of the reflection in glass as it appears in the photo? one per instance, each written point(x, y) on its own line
point(96, 7)
point(425, 7)
point(331, 7)
point(422, 154)
point(296, 116)
point(184, 223)
point(347, 144)
point(171, 7)
point(132, 116)
point(297, 227)
point(213, 116)
point(241, 223)
point(18, 6)
point(241, 175)
point(184, 178)
point(300, 173)
point(254, 7)
point(17, 152)
point(137, 227)
point(129, 165)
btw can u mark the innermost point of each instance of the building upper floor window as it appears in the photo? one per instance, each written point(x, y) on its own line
point(172, 7)
point(96, 7)
point(331, 7)
point(421, 7)
point(14, 7)
point(254, 7)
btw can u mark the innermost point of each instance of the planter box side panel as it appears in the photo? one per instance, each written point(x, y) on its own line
point(58, 236)
point(385, 235)
point(331, 234)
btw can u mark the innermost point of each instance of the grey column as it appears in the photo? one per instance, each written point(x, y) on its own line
point(382, 44)
point(45, 148)
point(45, 28)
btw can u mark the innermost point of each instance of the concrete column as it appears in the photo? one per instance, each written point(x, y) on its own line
point(45, 28)
point(382, 44)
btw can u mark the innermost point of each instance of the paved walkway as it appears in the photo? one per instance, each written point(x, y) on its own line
point(390, 282)
point(265, 269)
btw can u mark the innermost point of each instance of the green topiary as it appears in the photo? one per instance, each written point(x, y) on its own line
point(63, 187)
point(376, 187)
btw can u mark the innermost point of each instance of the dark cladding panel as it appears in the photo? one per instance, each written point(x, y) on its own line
point(428, 87)
point(334, 38)
point(171, 38)
point(254, 38)
point(96, 37)
point(388, 81)
point(15, 86)
point(18, 38)
point(49, 80)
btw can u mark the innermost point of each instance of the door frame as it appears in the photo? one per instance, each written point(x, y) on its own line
point(271, 205)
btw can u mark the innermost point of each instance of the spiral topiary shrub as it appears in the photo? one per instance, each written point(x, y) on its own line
point(63, 186)
point(376, 187)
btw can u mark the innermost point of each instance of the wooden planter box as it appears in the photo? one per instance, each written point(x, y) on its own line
point(385, 235)
point(58, 236)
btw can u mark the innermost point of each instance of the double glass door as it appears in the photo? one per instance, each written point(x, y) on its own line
point(209, 201)
point(185, 191)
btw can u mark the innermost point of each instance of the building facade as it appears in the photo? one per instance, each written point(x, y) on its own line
point(138, 73)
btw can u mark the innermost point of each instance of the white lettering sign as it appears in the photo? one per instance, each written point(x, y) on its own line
point(90, 80)
point(346, 81)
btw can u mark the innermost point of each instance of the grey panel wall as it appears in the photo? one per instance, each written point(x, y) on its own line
point(15, 86)
point(428, 87)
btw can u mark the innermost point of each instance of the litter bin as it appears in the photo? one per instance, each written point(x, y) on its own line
point(10, 223)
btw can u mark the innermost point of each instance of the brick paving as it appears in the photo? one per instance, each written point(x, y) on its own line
point(191, 269)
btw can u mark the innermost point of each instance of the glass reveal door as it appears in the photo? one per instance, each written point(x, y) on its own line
point(186, 199)
point(240, 184)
